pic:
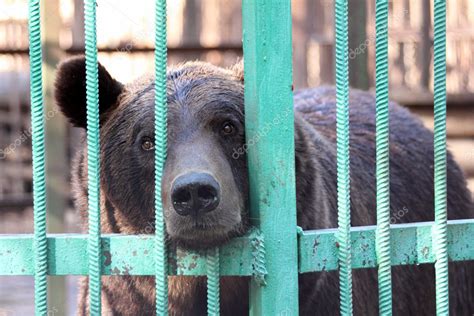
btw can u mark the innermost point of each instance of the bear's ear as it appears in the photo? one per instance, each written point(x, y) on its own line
point(238, 70)
point(70, 90)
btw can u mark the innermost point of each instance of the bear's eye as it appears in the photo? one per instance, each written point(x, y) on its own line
point(147, 144)
point(228, 128)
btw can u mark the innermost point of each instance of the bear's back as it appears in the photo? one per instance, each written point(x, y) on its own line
point(411, 157)
point(411, 199)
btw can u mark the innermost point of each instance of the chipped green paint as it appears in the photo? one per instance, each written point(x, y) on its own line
point(133, 255)
point(122, 255)
point(269, 99)
point(410, 244)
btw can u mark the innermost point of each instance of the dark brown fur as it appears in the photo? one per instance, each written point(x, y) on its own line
point(411, 180)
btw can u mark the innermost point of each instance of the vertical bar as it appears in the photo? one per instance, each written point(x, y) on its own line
point(269, 111)
point(161, 256)
point(38, 152)
point(343, 172)
point(93, 157)
point(382, 158)
point(440, 231)
point(213, 286)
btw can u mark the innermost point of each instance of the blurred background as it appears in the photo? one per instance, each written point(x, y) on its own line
point(209, 30)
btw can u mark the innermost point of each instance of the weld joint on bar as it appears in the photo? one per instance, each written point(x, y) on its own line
point(258, 255)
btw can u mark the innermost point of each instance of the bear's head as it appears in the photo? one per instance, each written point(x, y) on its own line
point(205, 183)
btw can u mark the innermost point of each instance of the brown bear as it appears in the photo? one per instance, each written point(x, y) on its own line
point(205, 185)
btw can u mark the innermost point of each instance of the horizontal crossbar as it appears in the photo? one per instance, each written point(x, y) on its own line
point(410, 244)
point(133, 254)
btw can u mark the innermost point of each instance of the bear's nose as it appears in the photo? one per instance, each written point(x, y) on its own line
point(195, 194)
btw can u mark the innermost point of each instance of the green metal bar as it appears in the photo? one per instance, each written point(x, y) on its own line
point(93, 157)
point(133, 254)
point(410, 243)
point(161, 256)
point(382, 158)
point(440, 233)
point(269, 107)
point(124, 255)
point(343, 157)
point(213, 286)
point(40, 249)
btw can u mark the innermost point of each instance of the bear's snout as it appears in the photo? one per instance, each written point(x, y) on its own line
point(194, 194)
point(202, 202)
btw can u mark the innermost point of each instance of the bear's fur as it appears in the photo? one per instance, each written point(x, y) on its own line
point(200, 94)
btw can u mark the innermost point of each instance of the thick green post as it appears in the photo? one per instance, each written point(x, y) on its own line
point(270, 137)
